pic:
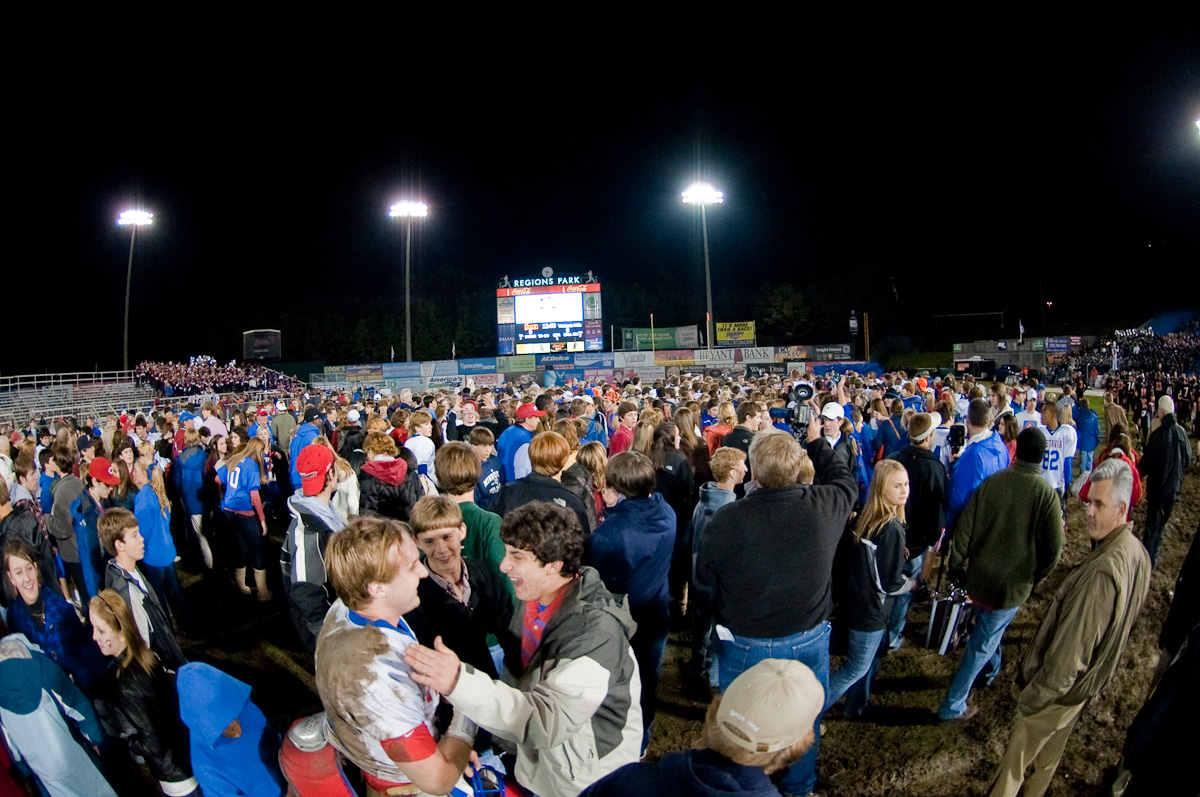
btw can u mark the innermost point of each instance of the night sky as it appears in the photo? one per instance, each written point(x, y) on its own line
point(956, 160)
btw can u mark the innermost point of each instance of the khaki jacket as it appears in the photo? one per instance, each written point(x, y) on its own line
point(1078, 645)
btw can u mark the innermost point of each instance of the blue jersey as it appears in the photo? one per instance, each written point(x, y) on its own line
point(239, 484)
point(491, 479)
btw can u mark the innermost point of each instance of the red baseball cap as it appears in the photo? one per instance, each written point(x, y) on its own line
point(313, 462)
point(527, 411)
point(103, 471)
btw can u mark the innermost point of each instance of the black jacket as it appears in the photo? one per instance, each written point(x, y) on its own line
point(769, 556)
point(867, 572)
point(578, 480)
point(926, 507)
point(536, 487)
point(382, 489)
point(22, 524)
point(464, 629)
point(143, 709)
point(1167, 454)
point(162, 638)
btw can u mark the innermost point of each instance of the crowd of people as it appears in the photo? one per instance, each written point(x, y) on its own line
point(202, 375)
point(487, 578)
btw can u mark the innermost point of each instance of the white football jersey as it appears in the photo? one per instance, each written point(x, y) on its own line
point(1060, 446)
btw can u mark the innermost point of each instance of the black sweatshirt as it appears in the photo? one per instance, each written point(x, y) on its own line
point(770, 554)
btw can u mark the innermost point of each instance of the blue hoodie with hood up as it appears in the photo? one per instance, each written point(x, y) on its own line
point(248, 766)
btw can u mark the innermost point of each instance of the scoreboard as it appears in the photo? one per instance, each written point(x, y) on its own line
point(546, 315)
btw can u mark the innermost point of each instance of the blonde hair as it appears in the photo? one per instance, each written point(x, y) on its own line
point(876, 513)
point(724, 460)
point(344, 469)
point(361, 554)
point(726, 414)
point(593, 457)
point(643, 436)
point(157, 484)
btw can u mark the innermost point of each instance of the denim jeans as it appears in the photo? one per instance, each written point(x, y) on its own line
point(983, 649)
point(895, 627)
point(1085, 460)
point(809, 647)
point(648, 644)
point(854, 677)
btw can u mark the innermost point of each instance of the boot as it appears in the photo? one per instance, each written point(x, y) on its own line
point(260, 581)
point(205, 551)
point(239, 580)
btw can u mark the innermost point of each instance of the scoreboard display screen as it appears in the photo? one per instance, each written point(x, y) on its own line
point(563, 316)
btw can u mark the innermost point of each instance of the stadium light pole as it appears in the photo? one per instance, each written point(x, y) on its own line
point(703, 194)
point(407, 210)
point(132, 219)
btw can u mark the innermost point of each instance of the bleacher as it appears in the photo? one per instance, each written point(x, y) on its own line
point(1167, 323)
point(50, 396)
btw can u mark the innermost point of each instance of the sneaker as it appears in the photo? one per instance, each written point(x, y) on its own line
point(963, 717)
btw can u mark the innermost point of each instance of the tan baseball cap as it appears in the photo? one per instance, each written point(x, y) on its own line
point(770, 706)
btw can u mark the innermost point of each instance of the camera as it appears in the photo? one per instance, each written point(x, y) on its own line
point(957, 437)
point(800, 412)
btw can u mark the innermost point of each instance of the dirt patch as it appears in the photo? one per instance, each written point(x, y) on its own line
point(899, 748)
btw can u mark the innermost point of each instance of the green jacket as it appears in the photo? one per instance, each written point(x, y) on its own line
point(483, 539)
point(1008, 538)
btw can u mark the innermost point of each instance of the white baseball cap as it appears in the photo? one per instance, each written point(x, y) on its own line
point(833, 410)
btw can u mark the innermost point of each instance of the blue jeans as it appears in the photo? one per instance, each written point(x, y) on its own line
point(895, 627)
point(854, 677)
point(809, 647)
point(983, 649)
point(1085, 460)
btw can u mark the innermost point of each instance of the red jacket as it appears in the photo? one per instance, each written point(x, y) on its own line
point(1137, 485)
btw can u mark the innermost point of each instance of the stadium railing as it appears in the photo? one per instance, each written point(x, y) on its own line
point(24, 381)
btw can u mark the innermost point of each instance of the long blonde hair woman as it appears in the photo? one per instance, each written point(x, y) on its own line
point(873, 572)
point(346, 495)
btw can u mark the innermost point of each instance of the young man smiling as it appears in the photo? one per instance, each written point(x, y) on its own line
point(574, 713)
point(377, 713)
point(463, 599)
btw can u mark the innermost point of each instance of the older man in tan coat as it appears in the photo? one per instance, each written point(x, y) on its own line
point(1077, 647)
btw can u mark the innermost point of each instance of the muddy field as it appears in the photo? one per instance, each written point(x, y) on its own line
point(897, 749)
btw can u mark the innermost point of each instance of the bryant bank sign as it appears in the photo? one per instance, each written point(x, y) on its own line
point(532, 283)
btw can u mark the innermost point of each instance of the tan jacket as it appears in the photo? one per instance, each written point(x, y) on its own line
point(1078, 645)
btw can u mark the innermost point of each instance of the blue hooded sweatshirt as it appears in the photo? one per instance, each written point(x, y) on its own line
point(304, 436)
point(188, 475)
point(248, 766)
point(632, 549)
point(1087, 427)
point(155, 525)
point(85, 515)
